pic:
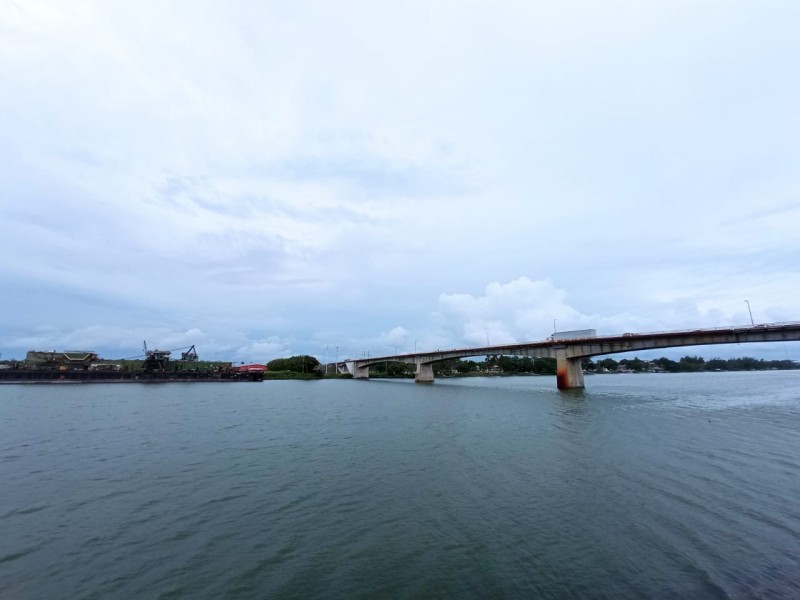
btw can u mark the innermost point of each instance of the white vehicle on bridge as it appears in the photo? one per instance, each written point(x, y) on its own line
point(577, 334)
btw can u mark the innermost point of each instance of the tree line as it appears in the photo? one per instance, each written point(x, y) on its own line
point(690, 364)
point(524, 365)
point(495, 364)
point(518, 365)
point(302, 365)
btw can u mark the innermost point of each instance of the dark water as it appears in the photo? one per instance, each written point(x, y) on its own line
point(643, 486)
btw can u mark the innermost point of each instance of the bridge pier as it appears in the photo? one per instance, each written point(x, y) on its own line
point(569, 371)
point(424, 373)
point(360, 372)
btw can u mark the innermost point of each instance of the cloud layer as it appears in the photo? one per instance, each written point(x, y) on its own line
point(269, 178)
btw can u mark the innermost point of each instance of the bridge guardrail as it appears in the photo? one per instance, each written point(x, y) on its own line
point(778, 325)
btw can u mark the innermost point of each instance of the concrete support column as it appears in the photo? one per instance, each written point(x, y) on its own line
point(360, 372)
point(424, 373)
point(569, 373)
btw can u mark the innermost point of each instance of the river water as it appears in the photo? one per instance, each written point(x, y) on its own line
point(654, 486)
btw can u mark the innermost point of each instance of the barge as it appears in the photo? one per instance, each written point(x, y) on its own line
point(153, 366)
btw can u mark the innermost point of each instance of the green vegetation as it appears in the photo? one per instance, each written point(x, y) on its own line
point(517, 365)
point(513, 365)
point(296, 364)
point(688, 364)
point(492, 365)
point(499, 365)
point(295, 367)
point(392, 369)
point(307, 367)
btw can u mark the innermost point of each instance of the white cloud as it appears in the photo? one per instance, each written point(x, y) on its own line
point(518, 311)
point(524, 310)
point(397, 336)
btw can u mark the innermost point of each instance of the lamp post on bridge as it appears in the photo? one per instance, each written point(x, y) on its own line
point(750, 311)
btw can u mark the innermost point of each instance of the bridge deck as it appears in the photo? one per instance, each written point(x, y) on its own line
point(608, 344)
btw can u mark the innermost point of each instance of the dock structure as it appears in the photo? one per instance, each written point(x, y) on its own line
point(85, 366)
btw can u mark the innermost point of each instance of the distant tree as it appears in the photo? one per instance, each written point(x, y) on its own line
point(544, 366)
point(399, 369)
point(746, 363)
point(278, 364)
point(391, 369)
point(445, 367)
point(296, 364)
point(717, 364)
point(303, 364)
point(607, 363)
point(465, 367)
point(692, 363)
point(509, 364)
point(670, 366)
point(635, 364)
point(784, 365)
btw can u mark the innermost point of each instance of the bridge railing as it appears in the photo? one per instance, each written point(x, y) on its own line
point(759, 326)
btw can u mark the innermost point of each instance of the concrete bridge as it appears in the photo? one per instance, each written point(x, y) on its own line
point(570, 351)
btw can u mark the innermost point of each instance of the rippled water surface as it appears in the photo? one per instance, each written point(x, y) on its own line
point(659, 486)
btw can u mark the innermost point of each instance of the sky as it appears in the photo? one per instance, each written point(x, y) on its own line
point(264, 179)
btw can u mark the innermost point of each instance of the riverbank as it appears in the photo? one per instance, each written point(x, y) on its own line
point(17, 376)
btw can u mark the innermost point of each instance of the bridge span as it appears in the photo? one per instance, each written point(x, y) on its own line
point(570, 352)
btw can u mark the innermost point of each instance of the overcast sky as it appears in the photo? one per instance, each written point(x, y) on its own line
point(272, 178)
